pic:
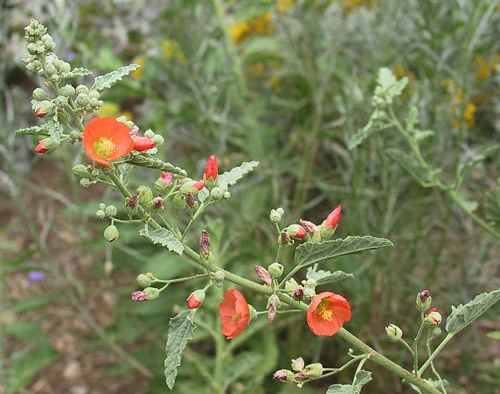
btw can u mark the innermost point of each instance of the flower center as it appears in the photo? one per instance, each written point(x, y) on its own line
point(324, 311)
point(236, 316)
point(104, 147)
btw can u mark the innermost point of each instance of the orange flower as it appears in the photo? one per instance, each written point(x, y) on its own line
point(234, 313)
point(106, 139)
point(327, 313)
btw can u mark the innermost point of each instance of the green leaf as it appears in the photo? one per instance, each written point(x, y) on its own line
point(35, 130)
point(323, 277)
point(463, 315)
point(241, 364)
point(25, 366)
point(165, 238)
point(376, 123)
point(389, 84)
point(494, 335)
point(231, 177)
point(180, 331)
point(28, 331)
point(422, 174)
point(311, 253)
point(203, 194)
point(492, 204)
point(153, 162)
point(37, 302)
point(77, 72)
point(412, 119)
point(54, 128)
point(362, 377)
point(108, 80)
point(469, 164)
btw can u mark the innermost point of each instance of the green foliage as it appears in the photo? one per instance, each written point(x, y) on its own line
point(492, 204)
point(230, 178)
point(76, 73)
point(463, 315)
point(421, 173)
point(108, 80)
point(312, 253)
point(362, 377)
point(180, 331)
point(163, 237)
point(323, 277)
point(34, 130)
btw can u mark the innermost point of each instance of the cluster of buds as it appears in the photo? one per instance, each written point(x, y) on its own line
point(307, 229)
point(424, 302)
point(86, 100)
point(276, 215)
point(87, 174)
point(106, 211)
point(300, 372)
point(149, 293)
point(300, 292)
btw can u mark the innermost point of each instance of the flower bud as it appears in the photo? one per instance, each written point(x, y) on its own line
point(44, 107)
point(82, 99)
point(110, 211)
point(275, 270)
point(273, 304)
point(310, 227)
point(131, 202)
point(40, 94)
point(100, 214)
point(216, 193)
point(142, 143)
point(436, 331)
point(333, 218)
point(204, 244)
point(275, 215)
point(94, 94)
point(156, 204)
point(144, 280)
point(152, 292)
point(219, 276)
point(314, 370)
point(394, 332)
point(81, 171)
point(139, 296)
point(433, 317)
point(291, 285)
point(198, 185)
point(226, 195)
point(47, 145)
point(211, 168)
point(298, 294)
point(111, 233)
point(423, 300)
point(158, 140)
point(253, 313)
point(283, 375)
point(85, 182)
point(284, 238)
point(82, 89)
point(67, 90)
point(145, 195)
point(190, 200)
point(195, 299)
point(149, 133)
point(296, 231)
point(102, 206)
point(263, 274)
point(164, 182)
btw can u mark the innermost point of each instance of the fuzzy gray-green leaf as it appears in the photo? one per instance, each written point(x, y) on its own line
point(311, 253)
point(492, 204)
point(35, 130)
point(231, 177)
point(163, 237)
point(463, 315)
point(421, 173)
point(108, 80)
point(180, 331)
point(376, 123)
point(322, 277)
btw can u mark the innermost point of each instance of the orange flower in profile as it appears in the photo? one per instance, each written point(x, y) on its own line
point(105, 139)
point(234, 313)
point(327, 313)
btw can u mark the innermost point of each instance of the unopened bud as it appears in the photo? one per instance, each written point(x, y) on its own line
point(423, 300)
point(283, 375)
point(85, 182)
point(110, 211)
point(263, 274)
point(276, 270)
point(273, 303)
point(144, 280)
point(298, 364)
point(204, 244)
point(67, 90)
point(152, 292)
point(253, 313)
point(298, 294)
point(190, 200)
point(100, 214)
point(433, 317)
point(139, 296)
point(164, 181)
point(81, 171)
point(40, 94)
point(195, 299)
point(296, 231)
point(394, 332)
point(145, 195)
point(314, 370)
point(111, 233)
point(157, 204)
point(275, 216)
point(284, 238)
point(158, 140)
point(226, 195)
point(216, 193)
point(149, 133)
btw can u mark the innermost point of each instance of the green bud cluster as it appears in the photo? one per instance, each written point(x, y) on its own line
point(87, 100)
point(157, 138)
point(276, 215)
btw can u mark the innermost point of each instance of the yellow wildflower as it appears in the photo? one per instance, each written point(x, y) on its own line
point(140, 71)
point(482, 69)
point(261, 25)
point(470, 114)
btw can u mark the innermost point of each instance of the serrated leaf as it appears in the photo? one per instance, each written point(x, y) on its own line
point(422, 134)
point(386, 78)
point(411, 119)
point(54, 128)
point(35, 130)
point(311, 253)
point(163, 237)
point(231, 177)
point(422, 174)
point(108, 80)
point(492, 204)
point(180, 331)
point(77, 72)
point(374, 125)
point(362, 377)
point(463, 315)
point(203, 194)
point(322, 277)
point(153, 162)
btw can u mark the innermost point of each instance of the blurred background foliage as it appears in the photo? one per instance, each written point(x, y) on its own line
point(284, 82)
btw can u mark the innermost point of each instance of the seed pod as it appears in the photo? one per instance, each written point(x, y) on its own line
point(152, 292)
point(111, 233)
point(144, 280)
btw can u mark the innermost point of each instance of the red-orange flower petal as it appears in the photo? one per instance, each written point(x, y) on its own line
point(105, 139)
point(142, 143)
point(234, 313)
point(212, 168)
point(327, 313)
